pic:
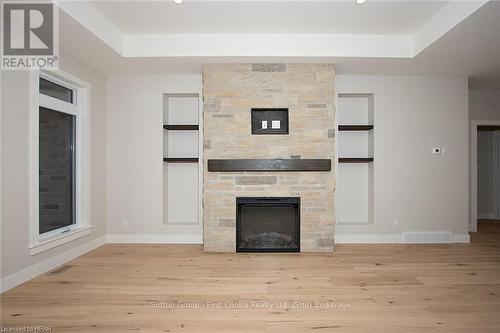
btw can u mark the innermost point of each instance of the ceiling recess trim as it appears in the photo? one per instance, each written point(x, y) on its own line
point(271, 45)
point(446, 19)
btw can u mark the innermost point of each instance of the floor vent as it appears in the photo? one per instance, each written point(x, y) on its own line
point(426, 237)
point(60, 269)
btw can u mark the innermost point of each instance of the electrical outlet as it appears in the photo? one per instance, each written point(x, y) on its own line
point(395, 223)
point(124, 222)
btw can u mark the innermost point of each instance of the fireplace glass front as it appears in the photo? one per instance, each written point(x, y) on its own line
point(268, 224)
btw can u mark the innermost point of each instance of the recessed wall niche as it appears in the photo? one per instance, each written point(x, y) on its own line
point(180, 159)
point(355, 143)
point(269, 121)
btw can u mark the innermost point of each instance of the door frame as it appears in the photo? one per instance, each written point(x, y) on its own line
point(473, 171)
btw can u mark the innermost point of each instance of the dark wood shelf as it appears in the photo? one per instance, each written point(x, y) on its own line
point(488, 128)
point(180, 159)
point(268, 165)
point(181, 127)
point(355, 159)
point(355, 127)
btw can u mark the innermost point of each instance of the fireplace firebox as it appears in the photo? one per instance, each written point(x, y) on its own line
point(268, 224)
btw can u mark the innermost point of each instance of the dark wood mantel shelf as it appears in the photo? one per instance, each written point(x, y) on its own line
point(181, 127)
point(268, 165)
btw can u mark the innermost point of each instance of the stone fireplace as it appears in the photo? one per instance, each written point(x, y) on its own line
point(230, 92)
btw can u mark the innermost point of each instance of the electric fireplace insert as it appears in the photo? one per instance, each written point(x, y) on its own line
point(268, 224)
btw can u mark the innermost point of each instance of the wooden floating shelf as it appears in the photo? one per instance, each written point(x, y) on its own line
point(181, 127)
point(355, 159)
point(355, 127)
point(180, 159)
point(488, 128)
point(269, 165)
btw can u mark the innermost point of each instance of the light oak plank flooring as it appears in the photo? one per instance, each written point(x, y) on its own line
point(358, 288)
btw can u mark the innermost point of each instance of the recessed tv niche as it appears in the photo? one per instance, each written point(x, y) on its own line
point(269, 121)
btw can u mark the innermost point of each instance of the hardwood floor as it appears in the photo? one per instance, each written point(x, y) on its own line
point(359, 288)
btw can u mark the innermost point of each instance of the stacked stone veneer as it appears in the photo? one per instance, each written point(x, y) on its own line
point(229, 93)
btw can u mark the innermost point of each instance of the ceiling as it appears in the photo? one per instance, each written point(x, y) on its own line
point(470, 48)
point(339, 17)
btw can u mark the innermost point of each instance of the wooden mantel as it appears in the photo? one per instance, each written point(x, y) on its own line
point(268, 165)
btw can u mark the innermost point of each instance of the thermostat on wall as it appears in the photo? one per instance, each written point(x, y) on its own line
point(438, 150)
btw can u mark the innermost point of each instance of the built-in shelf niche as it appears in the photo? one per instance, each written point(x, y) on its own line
point(355, 143)
point(180, 159)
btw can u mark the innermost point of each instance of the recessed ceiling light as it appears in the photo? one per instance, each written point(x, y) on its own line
point(359, 2)
point(178, 1)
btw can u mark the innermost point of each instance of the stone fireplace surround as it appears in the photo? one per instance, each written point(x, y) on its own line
point(230, 91)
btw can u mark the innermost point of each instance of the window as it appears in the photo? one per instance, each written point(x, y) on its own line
point(55, 90)
point(56, 170)
point(60, 184)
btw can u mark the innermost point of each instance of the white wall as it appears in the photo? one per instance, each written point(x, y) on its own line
point(411, 186)
point(16, 262)
point(412, 114)
point(484, 104)
point(135, 151)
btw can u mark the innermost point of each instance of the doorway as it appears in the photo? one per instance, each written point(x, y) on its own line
point(485, 175)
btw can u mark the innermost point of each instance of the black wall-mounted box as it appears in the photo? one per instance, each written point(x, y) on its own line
point(269, 121)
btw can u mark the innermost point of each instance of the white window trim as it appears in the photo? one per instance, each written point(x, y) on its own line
point(80, 108)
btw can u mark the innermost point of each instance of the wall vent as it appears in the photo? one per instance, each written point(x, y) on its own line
point(426, 237)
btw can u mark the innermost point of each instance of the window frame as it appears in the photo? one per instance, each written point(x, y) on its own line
point(80, 109)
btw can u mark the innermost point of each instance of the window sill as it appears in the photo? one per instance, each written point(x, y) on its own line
point(47, 244)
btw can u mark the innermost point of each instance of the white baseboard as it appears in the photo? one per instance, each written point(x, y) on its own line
point(17, 278)
point(396, 239)
point(460, 238)
point(368, 239)
point(155, 239)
